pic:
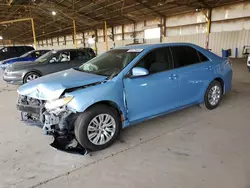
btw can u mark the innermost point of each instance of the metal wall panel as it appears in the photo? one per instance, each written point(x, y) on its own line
point(238, 10)
point(118, 29)
point(139, 26)
point(153, 22)
point(230, 29)
point(185, 19)
point(187, 30)
point(198, 39)
point(229, 40)
point(129, 28)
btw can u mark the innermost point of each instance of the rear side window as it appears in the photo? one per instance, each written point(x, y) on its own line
point(184, 56)
point(28, 48)
point(13, 50)
point(78, 55)
point(202, 57)
point(21, 49)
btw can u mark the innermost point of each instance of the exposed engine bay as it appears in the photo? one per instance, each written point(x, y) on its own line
point(58, 122)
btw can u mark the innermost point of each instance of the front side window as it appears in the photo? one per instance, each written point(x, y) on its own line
point(184, 56)
point(111, 62)
point(157, 61)
point(49, 56)
point(64, 57)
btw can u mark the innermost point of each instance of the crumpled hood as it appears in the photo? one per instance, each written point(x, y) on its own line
point(52, 86)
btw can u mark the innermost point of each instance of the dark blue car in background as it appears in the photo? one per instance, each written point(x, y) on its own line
point(29, 56)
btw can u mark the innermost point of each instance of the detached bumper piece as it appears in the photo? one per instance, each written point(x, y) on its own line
point(68, 144)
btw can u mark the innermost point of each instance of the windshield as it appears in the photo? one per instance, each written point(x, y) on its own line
point(47, 56)
point(110, 62)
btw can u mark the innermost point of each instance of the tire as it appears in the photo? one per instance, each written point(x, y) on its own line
point(213, 95)
point(84, 127)
point(28, 76)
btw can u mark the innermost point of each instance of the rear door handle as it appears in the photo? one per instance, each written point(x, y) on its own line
point(173, 77)
point(209, 67)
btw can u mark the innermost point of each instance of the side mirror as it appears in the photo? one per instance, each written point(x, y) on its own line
point(139, 71)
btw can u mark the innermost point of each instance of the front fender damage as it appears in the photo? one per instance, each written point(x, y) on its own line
point(58, 123)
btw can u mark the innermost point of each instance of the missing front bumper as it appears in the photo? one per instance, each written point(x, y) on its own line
point(59, 124)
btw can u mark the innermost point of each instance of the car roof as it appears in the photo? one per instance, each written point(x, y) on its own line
point(42, 50)
point(152, 46)
point(69, 49)
point(38, 50)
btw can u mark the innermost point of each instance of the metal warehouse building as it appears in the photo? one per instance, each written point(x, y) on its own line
point(214, 24)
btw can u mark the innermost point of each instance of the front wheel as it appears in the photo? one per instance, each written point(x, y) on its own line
point(30, 76)
point(213, 95)
point(98, 127)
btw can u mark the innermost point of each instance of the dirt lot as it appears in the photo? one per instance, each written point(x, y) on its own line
point(191, 148)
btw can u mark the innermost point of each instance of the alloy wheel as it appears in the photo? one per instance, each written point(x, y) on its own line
point(214, 95)
point(31, 77)
point(101, 129)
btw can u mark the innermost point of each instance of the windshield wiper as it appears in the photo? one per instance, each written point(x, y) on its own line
point(116, 71)
point(90, 72)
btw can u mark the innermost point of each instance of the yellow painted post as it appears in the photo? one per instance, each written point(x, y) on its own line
point(208, 18)
point(23, 20)
point(106, 35)
point(33, 31)
point(74, 25)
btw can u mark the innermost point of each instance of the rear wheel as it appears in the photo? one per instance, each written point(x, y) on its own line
point(30, 76)
point(213, 95)
point(98, 127)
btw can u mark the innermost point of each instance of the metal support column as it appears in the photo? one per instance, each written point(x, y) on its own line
point(106, 35)
point(208, 15)
point(163, 29)
point(122, 32)
point(96, 40)
point(33, 31)
point(75, 41)
point(134, 33)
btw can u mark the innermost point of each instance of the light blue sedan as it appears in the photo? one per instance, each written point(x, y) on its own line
point(92, 103)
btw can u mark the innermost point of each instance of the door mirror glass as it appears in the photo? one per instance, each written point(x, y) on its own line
point(139, 71)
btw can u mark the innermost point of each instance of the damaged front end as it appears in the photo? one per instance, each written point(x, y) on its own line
point(54, 118)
